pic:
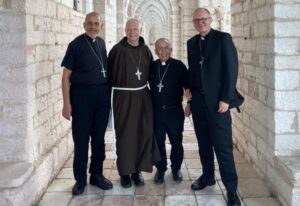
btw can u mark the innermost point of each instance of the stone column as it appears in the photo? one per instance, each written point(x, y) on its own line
point(266, 34)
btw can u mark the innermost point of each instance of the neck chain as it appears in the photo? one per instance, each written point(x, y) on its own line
point(160, 85)
point(94, 52)
point(138, 73)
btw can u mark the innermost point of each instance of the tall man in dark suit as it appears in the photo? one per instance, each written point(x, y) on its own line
point(86, 97)
point(213, 68)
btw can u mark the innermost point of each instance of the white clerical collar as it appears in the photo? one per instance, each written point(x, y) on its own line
point(163, 63)
point(94, 40)
point(202, 38)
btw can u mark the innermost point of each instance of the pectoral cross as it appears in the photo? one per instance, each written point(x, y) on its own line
point(160, 86)
point(103, 72)
point(138, 74)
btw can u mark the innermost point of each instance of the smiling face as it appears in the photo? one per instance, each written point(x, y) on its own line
point(92, 24)
point(133, 31)
point(202, 21)
point(163, 49)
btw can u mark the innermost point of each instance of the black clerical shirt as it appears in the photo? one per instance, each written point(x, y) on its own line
point(200, 53)
point(173, 82)
point(87, 68)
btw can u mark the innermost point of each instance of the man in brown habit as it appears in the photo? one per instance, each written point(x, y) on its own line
point(129, 63)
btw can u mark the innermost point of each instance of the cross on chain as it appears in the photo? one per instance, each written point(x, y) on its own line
point(138, 74)
point(103, 72)
point(160, 86)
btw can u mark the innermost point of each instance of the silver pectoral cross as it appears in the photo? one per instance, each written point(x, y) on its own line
point(103, 72)
point(160, 86)
point(138, 74)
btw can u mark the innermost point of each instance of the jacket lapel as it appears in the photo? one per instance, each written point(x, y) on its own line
point(210, 44)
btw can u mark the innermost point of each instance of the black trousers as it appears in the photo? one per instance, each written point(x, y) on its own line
point(169, 121)
point(90, 112)
point(214, 134)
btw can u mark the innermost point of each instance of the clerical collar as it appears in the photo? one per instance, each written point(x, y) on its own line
point(203, 38)
point(89, 38)
point(164, 63)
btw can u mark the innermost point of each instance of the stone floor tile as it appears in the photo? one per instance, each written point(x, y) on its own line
point(190, 146)
point(238, 158)
point(178, 188)
point(93, 190)
point(118, 200)
point(107, 173)
point(150, 189)
point(108, 163)
point(252, 187)
point(194, 174)
point(119, 190)
point(245, 170)
point(182, 200)
point(87, 200)
point(69, 163)
point(191, 154)
point(221, 185)
point(261, 202)
point(210, 200)
point(149, 175)
point(61, 185)
point(56, 198)
point(193, 163)
point(146, 200)
point(210, 190)
point(115, 175)
point(66, 173)
point(110, 155)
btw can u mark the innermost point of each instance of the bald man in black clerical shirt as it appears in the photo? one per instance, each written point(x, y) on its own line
point(86, 98)
point(167, 78)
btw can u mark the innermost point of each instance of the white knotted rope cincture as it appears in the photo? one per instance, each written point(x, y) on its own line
point(112, 111)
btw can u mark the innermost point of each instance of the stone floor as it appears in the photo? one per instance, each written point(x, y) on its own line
point(251, 189)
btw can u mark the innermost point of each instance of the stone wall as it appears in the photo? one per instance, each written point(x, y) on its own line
point(34, 36)
point(266, 34)
point(13, 82)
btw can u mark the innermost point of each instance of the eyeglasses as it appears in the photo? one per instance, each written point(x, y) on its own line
point(201, 20)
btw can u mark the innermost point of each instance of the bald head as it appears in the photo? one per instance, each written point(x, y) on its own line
point(92, 24)
point(163, 49)
point(201, 10)
point(92, 14)
point(164, 41)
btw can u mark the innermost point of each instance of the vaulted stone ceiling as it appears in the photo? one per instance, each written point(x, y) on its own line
point(155, 15)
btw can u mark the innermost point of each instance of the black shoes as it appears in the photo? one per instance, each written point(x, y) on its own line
point(202, 182)
point(78, 188)
point(138, 179)
point(159, 177)
point(177, 175)
point(125, 181)
point(233, 199)
point(101, 182)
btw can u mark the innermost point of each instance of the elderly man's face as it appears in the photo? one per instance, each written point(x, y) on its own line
point(92, 25)
point(163, 50)
point(133, 31)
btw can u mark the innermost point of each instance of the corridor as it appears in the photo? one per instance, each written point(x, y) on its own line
point(252, 189)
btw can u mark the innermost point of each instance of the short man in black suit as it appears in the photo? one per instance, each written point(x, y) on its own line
point(213, 68)
point(167, 78)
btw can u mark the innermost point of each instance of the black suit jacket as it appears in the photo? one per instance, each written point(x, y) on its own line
point(219, 71)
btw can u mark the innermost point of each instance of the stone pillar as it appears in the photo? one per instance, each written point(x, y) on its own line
point(107, 10)
point(35, 140)
point(187, 29)
point(266, 34)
